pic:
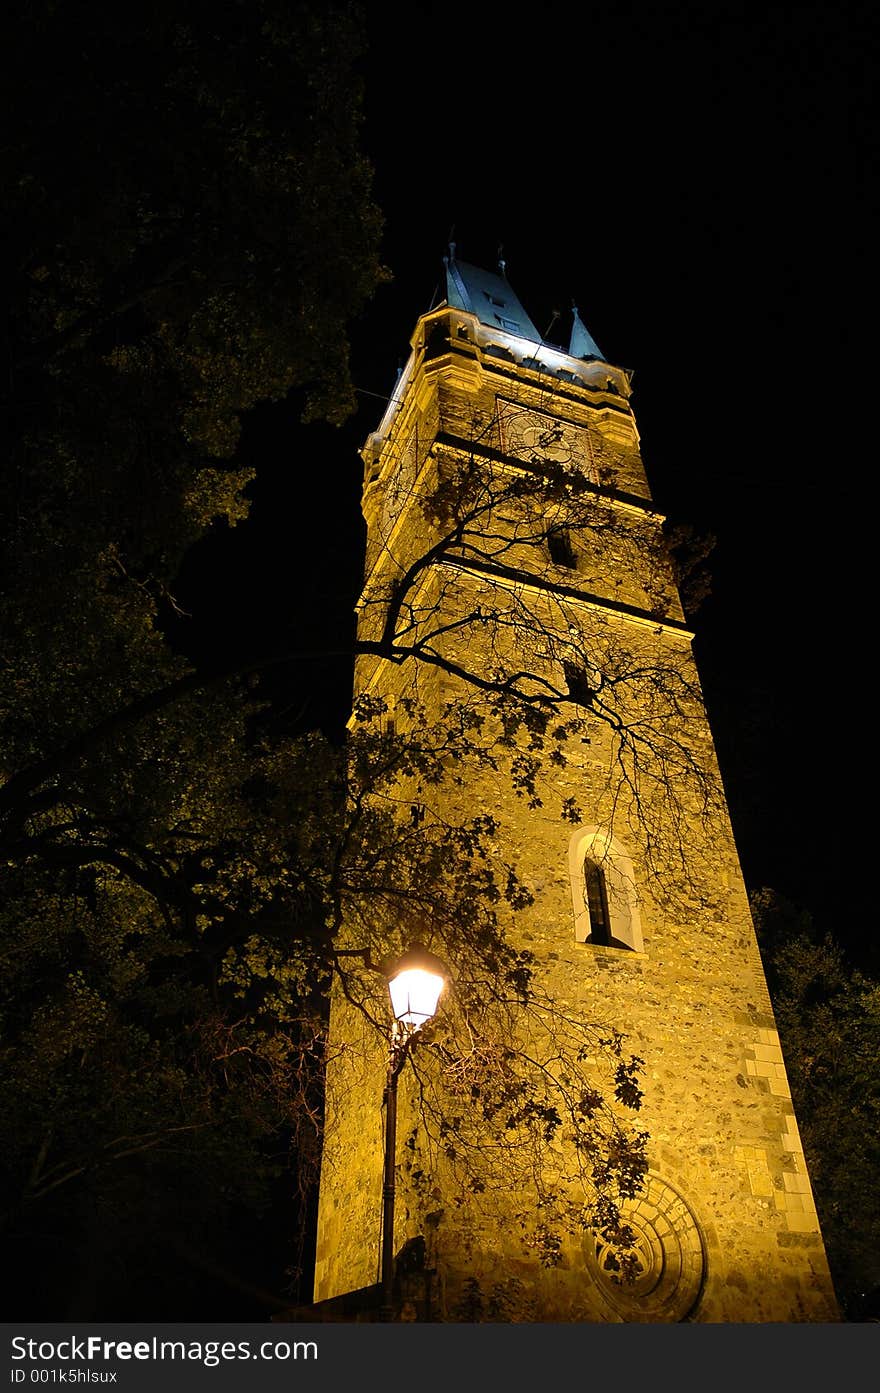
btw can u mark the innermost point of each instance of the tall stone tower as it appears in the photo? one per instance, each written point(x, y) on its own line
point(512, 539)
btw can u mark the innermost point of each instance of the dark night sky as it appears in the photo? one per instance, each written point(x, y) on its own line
point(694, 178)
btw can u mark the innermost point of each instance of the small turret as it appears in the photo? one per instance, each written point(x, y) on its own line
point(582, 344)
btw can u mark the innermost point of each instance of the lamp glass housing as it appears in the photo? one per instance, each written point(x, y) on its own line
point(414, 996)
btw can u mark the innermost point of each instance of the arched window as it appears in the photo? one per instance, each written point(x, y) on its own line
point(603, 890)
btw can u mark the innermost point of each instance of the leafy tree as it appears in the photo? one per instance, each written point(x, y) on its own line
point(190, 230)
point(829, 1022)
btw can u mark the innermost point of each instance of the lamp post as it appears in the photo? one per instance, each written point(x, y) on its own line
point(415, 982)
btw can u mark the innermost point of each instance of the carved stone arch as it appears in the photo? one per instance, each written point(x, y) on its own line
point(596, 845)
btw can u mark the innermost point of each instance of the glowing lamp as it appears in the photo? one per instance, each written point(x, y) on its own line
point(415, 982)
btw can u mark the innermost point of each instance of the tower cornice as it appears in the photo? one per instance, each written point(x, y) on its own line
point(510, 578)
point(457, 336)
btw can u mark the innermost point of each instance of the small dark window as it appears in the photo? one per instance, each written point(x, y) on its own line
point(510, 324)
point(493, 301)
point(560, 548)
point(597, 903)
point(578, 686)
point(437, 340)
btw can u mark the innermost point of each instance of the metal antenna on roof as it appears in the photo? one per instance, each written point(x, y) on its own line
point(502, 264)
point(550, 325)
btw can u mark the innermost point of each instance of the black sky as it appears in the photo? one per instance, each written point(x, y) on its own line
point(695, 178)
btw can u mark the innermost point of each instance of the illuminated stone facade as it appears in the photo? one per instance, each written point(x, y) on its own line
point(726, 1228)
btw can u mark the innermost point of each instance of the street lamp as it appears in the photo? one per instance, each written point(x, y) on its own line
point(415, 982)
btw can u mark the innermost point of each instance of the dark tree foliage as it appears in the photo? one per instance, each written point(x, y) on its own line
point(689, 552)
point(190, 228)
point(828, 1014)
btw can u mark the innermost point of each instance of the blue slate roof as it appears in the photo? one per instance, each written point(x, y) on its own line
point(490, 296)
point(582, 344)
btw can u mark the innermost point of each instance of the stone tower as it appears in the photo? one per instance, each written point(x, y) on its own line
point(638, 914)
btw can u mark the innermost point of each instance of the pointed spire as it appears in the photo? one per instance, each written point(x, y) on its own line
point(582, 344)
point(456, 289)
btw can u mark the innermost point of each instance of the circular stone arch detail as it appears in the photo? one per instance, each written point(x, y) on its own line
point(670, 1254)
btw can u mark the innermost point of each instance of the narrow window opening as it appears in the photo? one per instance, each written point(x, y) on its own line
point(560, 548)
point(597, 903)
point(389, 720)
